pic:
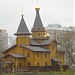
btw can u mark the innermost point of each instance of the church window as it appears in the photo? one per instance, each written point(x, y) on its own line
point(49, 54)
point(38, 34)
point(28, 64)
point(28, 54)
point(45, 63)
point(37, 54)
point(45, 54)
point(37, 63)
point(20, 64)
point(53, 46)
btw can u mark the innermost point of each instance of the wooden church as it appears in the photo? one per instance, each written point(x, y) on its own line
point(34, 51)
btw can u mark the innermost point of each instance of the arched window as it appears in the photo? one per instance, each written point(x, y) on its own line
point(38, 34)
point(28, 54)
point(28, 64)
point(49, 54)
point(45, 63)
point(37, 63)
point(20, 64)
point(37, 54)
point(45, 54)
point(53, 46)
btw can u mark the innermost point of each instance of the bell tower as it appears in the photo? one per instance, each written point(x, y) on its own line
point(22, 33)
point(38, 31)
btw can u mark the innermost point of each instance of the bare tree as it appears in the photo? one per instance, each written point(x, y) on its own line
point(11, 41)
point(69, 47)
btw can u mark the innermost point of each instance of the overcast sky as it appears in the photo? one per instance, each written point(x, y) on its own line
point(51, 11)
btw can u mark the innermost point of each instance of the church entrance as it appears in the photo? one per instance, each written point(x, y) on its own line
point(10, 65)
point(55, 64)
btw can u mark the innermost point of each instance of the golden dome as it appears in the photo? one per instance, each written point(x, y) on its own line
point(48, 35)
point(37, 7)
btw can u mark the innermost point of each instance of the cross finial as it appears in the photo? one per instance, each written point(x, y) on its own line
point(37, 6)
point(37, 1)
point(22, 12)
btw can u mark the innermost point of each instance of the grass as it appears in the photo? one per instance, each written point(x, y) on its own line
point(43, 73)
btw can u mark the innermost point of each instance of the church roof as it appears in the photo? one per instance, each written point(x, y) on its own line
point(9, 48)
point(34, 45)
point(22, 29)
point(36, 48)
point(37, 38)
point(44, 42)
point(32, 42)
point(9, 62)
point(38, 26)
point(60, 50)
point(55, 59)
point(16, 55)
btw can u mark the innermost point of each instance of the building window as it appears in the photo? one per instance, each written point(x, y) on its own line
point(28, 64)
point(53, 46)
point(20, 64)
point(37, 54)
point(37, 63)
point(45, 63)
point(49, 54)
point(28, 54)
point(45, 54)
point(38, 34)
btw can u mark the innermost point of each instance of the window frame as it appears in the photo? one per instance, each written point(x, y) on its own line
point(38, 64)
point(37, 54)
point(28, 64)
point(53, 46)
point(46, 64)
point(28, 54)
point(20, 65)
point(46, 54)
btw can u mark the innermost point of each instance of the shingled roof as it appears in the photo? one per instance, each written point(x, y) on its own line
point(32, 42)
point(9, 48)
point(44, 42)
point(22, 29)
point(36, 48)
point(38, 26)
point(9, 62)
point(16, 55)
point(55, 59)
